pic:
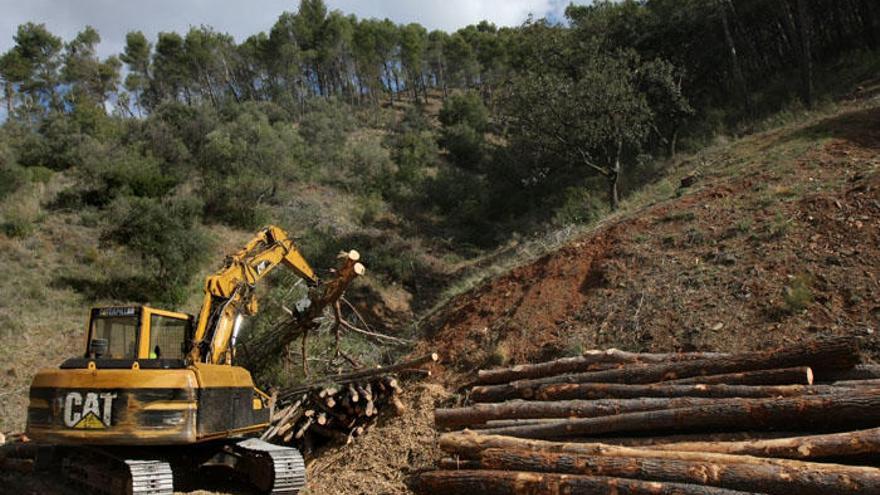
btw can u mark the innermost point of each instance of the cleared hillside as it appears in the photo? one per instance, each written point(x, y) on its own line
point(777, 240)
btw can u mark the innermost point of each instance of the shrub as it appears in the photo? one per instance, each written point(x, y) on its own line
point(465, 145)
point(368, 167)
point(191, 124)
point(244, 161)
point(109, 171)
point(798, 294)
point(238, 200)
point(12, 177)
point(466, 108)
point(21, 213)
point(414, 153)
point(168, 237)
point(325, 127)
point(580, 205)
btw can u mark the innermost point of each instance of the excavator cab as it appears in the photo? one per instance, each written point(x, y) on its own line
point(138, 332)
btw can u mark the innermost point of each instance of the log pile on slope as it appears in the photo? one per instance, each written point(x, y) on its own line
point(337, 408)
point(793, 420)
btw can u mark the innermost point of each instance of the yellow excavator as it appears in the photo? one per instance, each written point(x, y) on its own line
point(155, 391)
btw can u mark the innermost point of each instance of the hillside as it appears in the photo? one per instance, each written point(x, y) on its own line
point(777, 241)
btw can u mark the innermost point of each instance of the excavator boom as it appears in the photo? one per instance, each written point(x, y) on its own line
point(229, 292)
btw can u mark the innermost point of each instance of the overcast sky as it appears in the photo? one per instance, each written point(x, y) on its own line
point(241, 18)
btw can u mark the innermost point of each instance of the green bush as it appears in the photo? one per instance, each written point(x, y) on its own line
point(243, 162)
point(167, 235)
point(238, 200)
point(109, 171)
point(12, 177)
point(465, 108)
point(580, 205)
point(465, 145)
point(798, 294)
point(368, 168)
point(415, 154)
point(191, 124)
point(325, 127)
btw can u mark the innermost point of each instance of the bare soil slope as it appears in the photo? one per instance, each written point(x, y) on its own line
point(778, 240)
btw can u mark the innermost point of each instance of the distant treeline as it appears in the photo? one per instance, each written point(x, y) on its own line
point(723, 48)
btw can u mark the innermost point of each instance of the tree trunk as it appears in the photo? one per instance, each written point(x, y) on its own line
point(800, 413)
point(614, 179)
point(851, 443)
point(469, 444)
point(821, 479)
point(740, 80)
point(858, 372)
point(518, 409)
point(806, 53)
point(586, 362)
point(868, 24)
point(802, 375)
point(831, 353)
point(522, 483)
point(9, 93)
point(571, 391)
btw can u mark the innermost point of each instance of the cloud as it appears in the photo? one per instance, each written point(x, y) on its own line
point(114, 18)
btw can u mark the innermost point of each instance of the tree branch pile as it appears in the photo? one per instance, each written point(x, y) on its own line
point(337, 408)
point(794, 420)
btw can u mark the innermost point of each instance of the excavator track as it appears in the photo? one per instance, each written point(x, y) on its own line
point(271, 468)
point(102, 472)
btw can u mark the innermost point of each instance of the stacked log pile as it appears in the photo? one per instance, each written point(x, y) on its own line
point(337, 408)
point(797, 420)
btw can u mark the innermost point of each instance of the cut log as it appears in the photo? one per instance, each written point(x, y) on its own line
point(829, 353)
point(468, 445)
point(858, 372)
point(857, 384)
point(523, 483)
point(820, 479)
point(851, 443)
point(801, 375)
point(569, 391)
point(651, 440)
point(589, 361)
point(519, 409)
point(800, 413)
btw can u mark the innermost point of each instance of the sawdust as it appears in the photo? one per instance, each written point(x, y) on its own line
point(379, 461)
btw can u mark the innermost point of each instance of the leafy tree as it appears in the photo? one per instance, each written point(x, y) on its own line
point(465, 119)
point(91, 81)
point(413, 44)
point(171, 70)
point(587, 118)
point(137, 59)
point(243, 163)
point(32, 65)
point(168, 237)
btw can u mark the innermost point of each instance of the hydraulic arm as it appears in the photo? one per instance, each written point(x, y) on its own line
point(229, 293)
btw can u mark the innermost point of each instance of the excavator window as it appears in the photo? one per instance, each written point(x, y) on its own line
point(168, 337)
point(120, 333)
